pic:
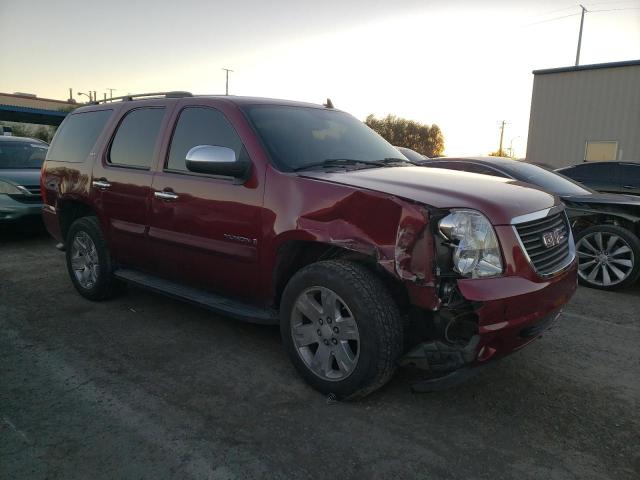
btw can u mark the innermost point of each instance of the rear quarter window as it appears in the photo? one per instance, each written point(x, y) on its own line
point(77, 135)
point(135, 140)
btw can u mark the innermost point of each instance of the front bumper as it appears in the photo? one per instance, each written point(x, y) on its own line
point(512, 311)
point(508, 312)
point(12, 210)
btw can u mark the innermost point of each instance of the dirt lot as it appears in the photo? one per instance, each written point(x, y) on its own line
point(147, 387)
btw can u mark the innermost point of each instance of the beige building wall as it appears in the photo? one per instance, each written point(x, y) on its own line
point(34, 102)
point(576, 113)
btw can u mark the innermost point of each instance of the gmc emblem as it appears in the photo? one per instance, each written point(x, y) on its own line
point(553, 238)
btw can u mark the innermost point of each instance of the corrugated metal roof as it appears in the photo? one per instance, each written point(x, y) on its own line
point(594, 66)
point(13, 113)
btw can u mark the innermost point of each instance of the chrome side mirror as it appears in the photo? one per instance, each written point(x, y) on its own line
point(216, 160)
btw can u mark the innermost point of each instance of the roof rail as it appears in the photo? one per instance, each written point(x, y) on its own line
point(129, 98)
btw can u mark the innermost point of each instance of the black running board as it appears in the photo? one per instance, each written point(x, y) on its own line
point(211, 301)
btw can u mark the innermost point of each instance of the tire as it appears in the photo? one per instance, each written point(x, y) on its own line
point(86, 246)
point(367, 363)
point(608, 248)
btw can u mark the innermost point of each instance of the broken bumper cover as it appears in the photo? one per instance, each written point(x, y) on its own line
point(514, 311)
point(511, 311)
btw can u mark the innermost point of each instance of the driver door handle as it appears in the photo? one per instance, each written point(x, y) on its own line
point(102, 184)
point(629, 187)
point(164, 195)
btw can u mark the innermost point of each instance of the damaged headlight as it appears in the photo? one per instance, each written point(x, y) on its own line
point(476, 251)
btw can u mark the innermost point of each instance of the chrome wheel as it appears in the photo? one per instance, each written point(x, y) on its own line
point(325, 333)
point(605, 259)
point(84, 260)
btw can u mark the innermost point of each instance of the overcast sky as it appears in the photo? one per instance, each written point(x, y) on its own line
point(464, 65)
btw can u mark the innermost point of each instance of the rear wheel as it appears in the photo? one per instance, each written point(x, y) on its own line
point(341, 328)
point(89, 261)
point(608, 257)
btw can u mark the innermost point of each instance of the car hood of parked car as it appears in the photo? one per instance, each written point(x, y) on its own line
point(26, 176)
point(604, 199)
point(500, 199)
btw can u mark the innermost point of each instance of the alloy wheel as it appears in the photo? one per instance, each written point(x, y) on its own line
point(605, 259)
point(84, 260)
point(325, 333)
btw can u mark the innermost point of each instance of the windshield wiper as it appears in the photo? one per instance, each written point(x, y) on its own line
point(390, 160)
point(336, 162)
point(343, 162)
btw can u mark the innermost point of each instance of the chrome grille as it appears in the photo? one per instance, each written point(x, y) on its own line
point(33, 189)
point(546, 259)
point(33, 196)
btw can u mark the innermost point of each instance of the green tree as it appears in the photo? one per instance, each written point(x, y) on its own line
point(42, 132)
point(499, 153)
point(401, 132)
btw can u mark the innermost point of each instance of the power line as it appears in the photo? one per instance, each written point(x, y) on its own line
point(614, 9)
point(559, 10)
point(609, 3)
point(553, 19)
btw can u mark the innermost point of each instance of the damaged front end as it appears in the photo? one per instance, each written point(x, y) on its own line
point(443, 339)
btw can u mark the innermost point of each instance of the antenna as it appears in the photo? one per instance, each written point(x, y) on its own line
point(329, 103)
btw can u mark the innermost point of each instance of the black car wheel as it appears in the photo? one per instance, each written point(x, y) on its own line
point(608, 256)
point(89, 261)
point(341, 328)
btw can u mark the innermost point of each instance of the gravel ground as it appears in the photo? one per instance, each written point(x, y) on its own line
point(148, 387)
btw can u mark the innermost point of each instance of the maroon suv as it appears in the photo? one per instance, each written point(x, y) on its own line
point(295, 214)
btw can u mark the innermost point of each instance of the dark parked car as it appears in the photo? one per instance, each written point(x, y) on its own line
point(607, 226)
point(20, 162)
point(612, 177)
point(295, 214)
point(412, 154)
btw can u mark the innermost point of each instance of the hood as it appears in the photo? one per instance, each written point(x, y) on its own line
point(24, 177)
point(500, 199)
point(604, 199)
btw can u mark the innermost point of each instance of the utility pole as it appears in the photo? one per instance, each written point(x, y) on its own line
point(503, 123)
point(511, 146)
point(111, 93)
point(584, 10)
point(226, 91)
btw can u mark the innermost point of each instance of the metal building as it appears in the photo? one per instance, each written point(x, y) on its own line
point(28, 108)
point(585, 113)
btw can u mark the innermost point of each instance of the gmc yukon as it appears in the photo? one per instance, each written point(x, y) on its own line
point(296, 214)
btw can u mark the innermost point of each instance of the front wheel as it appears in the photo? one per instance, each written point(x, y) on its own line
point(341, 328)
point(608, 257)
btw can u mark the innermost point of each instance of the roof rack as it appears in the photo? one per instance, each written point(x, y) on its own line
point(129, 98)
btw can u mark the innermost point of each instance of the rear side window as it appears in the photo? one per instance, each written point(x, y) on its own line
point(598, 171)
point(201, 126)
point(629, 174)
point(77, 135)
point(135, 139)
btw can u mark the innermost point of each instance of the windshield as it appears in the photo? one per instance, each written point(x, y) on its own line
point(17, 155)
point(299, 137)
point(550, 181)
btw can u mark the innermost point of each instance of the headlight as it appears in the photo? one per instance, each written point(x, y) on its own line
point(476, 250)
point(9, 188)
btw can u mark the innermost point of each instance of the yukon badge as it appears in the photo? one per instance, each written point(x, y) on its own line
point(553, 238)
point(240, 239)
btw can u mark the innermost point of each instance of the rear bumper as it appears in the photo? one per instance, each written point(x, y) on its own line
point(12, 210)
point(514, 311)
